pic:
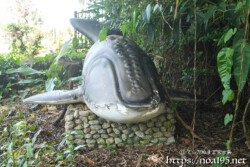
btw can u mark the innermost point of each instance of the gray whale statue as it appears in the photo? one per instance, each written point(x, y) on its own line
point(120, 81)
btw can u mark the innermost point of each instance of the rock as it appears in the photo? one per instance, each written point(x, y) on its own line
point(170, 140)
point(78, 127)
point(162, 139)
point(124, 137)
point(135, 128)
point(96, 136)
point(69, 125)
point(163, 129)
point(167, 134)
point(154, 140)
point(157, 134)
point(149, 131)
point(100, 141)
point(86, 130)
point(139, 134)
point(79, 141)
point(114, 124)
point(101, 146)
point(79, 136)
point(78, 121)
point(90, 141)
point(131, 135)
point(121, 145)
point(158, 124)
point(84, 119)
point(156, 129)
point(88, 136)
point(84, 113)
point(167, 124)
point(109, 130)
point(105, 125)
point(110, 141)
point(104, 136)
point(145, 142)
point(93, 132)
point(142, 127)
point(95, 127)
point(126, 131)
point(69, 118)
point(92, 117)
point(150, 124)
point(85, 125)
point(162, 119)
point(147, 137)
point(70, 112)
point(118, 140)
point(102, 131)
point(91, 145)
point(117, 131)
point(113, 135)
point(94, 122)
point(76, 114)
point(170, 116)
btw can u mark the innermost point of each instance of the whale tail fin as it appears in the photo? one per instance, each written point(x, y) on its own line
point(56, 97)
point(88, 27)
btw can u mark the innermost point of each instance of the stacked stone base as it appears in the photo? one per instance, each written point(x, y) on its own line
point(103, 133)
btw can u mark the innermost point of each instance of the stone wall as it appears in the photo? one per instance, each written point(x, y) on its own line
point(102, 133)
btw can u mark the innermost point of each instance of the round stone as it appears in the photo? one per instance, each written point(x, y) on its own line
point(85, 125)
point(113, 135)
point(147, 137)
point(70, 112)
point(131, 135)
point(110, 140)
point(139, 134)
point(96, 136)
point(91, 145)
point(109, 130)
point(167, 124)
point(121, 145)
point(88, 136)
point(86, 130)
point(92, 117)
point(163, 129)
point(84, 119)
point(142, 127)
point(134, 128)
point(84, 113)
point(158, 134)
point(78, 121)
point(145, 142)
point(117, 131)
point(163, 139)
point(126, 131)
point(69, 125)
point(101, 146)
point(158, 124)
point(105, 125)
point(167, 134)
point(124, 137)
point(170, 116)
point(102, 131)
point(154, 140)
point(149, 131)
point(170, 140)
point(76, 114)
point(163, 118)
point(93, 132)
point(118, 140)
point(78, 127)
point(90, 141)
point(94, 122)
point(69, 118)
point(79, 136)
point(156, 129)
point(100, 141)
point(79, 141)
point(150, 124)
point(104, 136)
point(95, 127)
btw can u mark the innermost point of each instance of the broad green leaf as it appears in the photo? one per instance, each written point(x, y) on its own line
point(156, 7)
point(148, 12)
point(229, 34)
point(29, 150)
point(224, 63)
point(228, 118)
point(210, 12)
point(228, 95)
point(35, 136)
point(238, 6)
point(237, 59)
point(30, 81)
point(20, 125)
point(24, 70)
point(50, 84)
point(66, 49)
point(103, 34)
point(78, 147)
point(77, 132)
point(74, 79)
point(124, 25)
point(134, 21)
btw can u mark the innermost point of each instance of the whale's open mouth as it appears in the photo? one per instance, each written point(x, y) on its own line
point(122, 114)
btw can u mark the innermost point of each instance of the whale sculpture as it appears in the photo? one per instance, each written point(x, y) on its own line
point(120, 81)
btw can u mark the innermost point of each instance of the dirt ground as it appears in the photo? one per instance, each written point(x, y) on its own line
point(209, 125)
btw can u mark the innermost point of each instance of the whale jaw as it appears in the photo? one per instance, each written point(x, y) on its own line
point(122, 114)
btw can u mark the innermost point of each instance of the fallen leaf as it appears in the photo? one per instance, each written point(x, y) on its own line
point(90, 161)
point(45, 132)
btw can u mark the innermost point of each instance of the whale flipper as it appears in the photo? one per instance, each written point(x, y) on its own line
point(56, 97)
point(89, 28)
